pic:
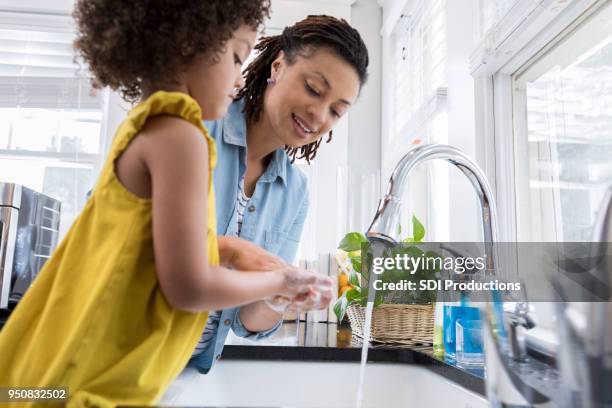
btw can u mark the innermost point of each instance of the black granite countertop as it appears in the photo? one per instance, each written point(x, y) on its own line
point(308, 341)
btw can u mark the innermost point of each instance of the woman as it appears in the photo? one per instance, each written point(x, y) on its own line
point(301, 83)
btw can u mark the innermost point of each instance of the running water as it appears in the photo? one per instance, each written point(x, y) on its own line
point(364, 352)
point(377, 250)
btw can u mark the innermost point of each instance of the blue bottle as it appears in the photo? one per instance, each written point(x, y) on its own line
point(452, 313)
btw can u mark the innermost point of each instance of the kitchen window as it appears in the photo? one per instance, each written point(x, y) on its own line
point(563, 134)
point(543, 75)
point(51, 128)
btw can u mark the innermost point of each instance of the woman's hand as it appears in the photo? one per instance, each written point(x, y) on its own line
point(243, 255)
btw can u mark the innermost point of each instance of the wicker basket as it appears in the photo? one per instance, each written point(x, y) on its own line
point(409, 325)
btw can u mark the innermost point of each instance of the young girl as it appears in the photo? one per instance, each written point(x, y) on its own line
point(117, 310)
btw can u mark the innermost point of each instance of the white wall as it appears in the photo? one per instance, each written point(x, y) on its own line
point(364, 121)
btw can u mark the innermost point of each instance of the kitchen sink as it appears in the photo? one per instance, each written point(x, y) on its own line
point(238, 383)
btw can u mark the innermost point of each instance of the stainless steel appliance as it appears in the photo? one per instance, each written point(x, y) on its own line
point(29, 228)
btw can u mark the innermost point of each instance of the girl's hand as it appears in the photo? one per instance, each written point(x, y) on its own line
point(315, 299)
point(299, 282)
point(316, 292)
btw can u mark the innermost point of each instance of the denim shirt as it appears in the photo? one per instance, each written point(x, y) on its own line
point(273, 219)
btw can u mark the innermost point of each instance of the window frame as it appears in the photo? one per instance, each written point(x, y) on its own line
point(507, 48)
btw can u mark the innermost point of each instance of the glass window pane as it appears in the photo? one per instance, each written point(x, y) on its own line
point(566, 100)
point(50, 130)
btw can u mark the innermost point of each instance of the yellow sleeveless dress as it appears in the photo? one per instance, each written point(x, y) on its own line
point(95, 320)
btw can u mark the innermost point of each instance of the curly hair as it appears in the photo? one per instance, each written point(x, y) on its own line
point(128, 44)
point(302, 39)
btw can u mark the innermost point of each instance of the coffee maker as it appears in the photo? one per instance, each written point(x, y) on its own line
point(29, 231)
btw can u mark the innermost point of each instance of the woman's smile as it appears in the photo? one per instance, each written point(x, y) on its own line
point(302, 128)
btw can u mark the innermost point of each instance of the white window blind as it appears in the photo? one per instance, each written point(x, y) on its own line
point(37, 69)
point(419, 66)
point(418, 107)
point(50, 121)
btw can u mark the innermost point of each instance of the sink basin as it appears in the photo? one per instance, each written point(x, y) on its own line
point(238, 383)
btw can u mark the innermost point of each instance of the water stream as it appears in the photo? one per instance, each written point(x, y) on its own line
point(378, 248)
point(364, 352)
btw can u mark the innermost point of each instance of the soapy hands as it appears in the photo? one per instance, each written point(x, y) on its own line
point(316, 297)
point(301, 289)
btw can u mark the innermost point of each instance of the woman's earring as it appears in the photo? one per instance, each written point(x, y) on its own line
point(271, 81)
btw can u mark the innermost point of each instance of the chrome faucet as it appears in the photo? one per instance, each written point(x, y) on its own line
point(518, 319)
point(386, 220)
point(502, 386)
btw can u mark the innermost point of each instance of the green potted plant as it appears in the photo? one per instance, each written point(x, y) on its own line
point(400, 316)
